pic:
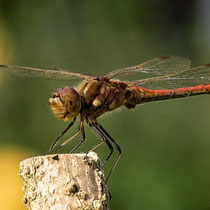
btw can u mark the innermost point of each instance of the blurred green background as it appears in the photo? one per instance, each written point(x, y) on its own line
point(165, 163)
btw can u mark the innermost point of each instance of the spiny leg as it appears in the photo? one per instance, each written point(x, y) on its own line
point(82, 129)
point(61, 134)
point(94, 127)
point(68, 140)
point(104, 139)
point(116, 145)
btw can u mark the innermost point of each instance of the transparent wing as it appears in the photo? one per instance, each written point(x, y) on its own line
point(157, 66)
point(28, 72)
point(191, 77)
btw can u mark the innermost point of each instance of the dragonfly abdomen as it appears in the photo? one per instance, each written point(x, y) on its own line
point(143, 95)
point(192, 91)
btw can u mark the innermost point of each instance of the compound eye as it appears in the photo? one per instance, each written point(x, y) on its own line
point(71, 100)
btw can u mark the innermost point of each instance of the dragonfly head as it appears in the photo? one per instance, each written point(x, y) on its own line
point(65, 103)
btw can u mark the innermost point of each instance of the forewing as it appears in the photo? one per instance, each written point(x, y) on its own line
point(157, 66)
point(28, 72)
point(191, 77)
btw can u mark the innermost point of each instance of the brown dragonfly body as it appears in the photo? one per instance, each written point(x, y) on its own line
point(100, 94)
point(97, 95)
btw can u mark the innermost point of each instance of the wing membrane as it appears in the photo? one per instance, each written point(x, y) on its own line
point(157, 66)
point(191, 77)
point(28, 72)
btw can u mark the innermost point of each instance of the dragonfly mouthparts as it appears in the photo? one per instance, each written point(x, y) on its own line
point(65, 103)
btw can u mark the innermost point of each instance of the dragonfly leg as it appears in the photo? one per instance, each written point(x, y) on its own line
point(82, 129)
point(103, 139)
point(61, 134)
point(116, 145)
point(68, 140)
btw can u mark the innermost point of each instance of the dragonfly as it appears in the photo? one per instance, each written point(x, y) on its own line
point(169, 77)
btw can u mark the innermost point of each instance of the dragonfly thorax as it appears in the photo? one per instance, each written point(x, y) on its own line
point(65, 103)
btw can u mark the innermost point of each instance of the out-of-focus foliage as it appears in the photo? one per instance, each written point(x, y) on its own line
point(165, 160)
